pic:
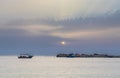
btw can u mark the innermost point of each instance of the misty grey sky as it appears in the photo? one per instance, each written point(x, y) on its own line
point(40, 26)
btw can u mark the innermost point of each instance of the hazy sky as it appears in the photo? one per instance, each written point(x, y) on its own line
point(40, 26)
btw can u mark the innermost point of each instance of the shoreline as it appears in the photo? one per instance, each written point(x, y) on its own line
point(95, 55)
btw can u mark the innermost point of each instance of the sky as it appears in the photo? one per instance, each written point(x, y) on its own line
point(41, 26)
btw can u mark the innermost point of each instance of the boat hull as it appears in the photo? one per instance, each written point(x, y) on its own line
point(24, 56)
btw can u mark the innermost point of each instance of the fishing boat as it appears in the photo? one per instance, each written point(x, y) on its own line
point(25, 56)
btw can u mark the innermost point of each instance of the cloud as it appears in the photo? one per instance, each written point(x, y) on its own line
point(40, 29)
point(33, 24)
point(60, 9)
point(90, 34)
point(66, 28)
point(28, 30)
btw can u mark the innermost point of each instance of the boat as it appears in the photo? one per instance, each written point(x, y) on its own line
point(25, 56)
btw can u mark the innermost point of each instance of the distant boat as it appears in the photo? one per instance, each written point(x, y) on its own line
point(25, 56)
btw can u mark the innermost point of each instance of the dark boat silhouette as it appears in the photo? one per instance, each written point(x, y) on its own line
point(25, 56)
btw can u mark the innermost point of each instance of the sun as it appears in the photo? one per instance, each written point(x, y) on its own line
point(62, 42)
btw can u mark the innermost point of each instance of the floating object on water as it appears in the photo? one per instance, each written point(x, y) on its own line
point(25, 56)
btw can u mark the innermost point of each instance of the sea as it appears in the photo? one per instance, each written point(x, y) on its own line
point(53, 67)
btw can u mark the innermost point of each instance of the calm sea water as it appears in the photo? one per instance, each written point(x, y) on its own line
point(52, 67)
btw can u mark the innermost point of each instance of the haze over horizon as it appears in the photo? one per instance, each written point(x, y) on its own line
point(52, 26)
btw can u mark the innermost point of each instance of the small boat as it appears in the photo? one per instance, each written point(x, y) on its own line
point(25, 56)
